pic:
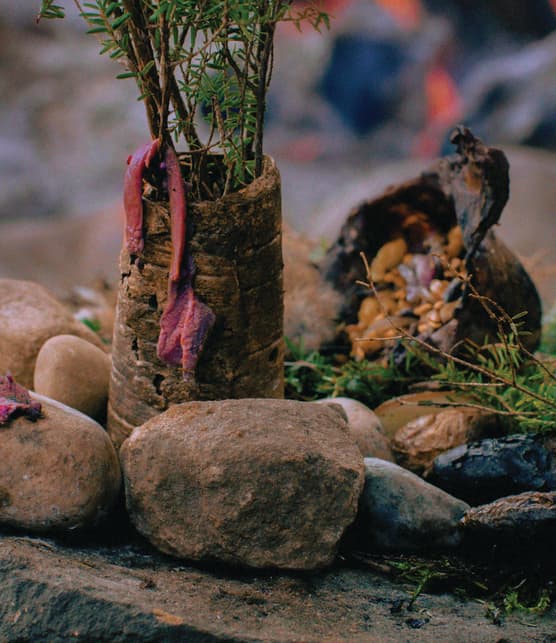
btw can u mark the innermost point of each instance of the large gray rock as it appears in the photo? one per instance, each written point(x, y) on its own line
point(400, 511)
point(29, 315)
point(74, 372)
point(58, 473)
point(365, 428)
point(263, 483)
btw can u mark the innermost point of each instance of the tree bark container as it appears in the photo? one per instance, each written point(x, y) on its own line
point(236, 244)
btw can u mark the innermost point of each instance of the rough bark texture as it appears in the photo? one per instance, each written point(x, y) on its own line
point(236, 247)
point(469, 188)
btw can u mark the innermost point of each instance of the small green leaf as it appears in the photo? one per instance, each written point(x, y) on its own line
point(95, 30)
point(120, 21)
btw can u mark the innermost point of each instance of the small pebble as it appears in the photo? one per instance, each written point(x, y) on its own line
point(455, 242)
point(388, 256)
point(447, 311)
point(437, 287)
point(422, 309)
point(74, 372)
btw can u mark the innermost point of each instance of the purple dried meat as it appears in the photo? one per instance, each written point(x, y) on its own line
point(15, 400)
point(186, 320)
point(184, 327)
point(133, 195)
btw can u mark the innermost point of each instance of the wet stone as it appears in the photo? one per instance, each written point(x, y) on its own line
point(480, 472)
point(399, 511)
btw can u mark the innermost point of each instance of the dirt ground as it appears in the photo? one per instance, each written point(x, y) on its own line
point(57, 592)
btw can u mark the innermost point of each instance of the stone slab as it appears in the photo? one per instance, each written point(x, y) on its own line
point(58, 592)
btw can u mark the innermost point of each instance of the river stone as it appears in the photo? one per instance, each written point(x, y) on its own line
point(74, 372)
point(29, 315)
point(525, 517)
point(483, 471)
point(256, 482)
point(58, 473)
point(400, 511)
point(365, 428)
point(420, 441)
point(398, 411)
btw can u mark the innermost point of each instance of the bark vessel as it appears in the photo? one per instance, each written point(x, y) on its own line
point(470, 189)
point(235, 245)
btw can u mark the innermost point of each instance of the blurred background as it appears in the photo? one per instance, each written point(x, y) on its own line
point(351, 110)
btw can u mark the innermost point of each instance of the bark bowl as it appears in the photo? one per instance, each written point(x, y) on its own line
point(236, 247)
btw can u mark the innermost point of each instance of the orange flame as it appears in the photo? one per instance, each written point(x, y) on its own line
point(443, 108)
point(408, 13)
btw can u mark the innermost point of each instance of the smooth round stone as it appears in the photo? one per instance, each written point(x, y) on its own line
point(74, 372)
point(58, 473)
point(29, 316)
point(399, 511)
point(365, 428)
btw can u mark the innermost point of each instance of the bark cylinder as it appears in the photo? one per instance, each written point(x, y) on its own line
point(236, 245)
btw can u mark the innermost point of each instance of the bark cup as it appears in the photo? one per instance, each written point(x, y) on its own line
point(470, 189)
point(236, 244)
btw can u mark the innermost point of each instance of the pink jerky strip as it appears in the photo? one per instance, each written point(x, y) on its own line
point(186, 320)
point(133, 195)
point(15, 400)
point(184, 327)
point(178, 212)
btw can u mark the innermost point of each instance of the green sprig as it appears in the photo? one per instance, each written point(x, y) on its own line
point(203, 69)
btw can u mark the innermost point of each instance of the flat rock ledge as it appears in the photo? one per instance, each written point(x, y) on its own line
point(130, 593)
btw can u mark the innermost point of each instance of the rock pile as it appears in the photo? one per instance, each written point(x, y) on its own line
point(259, 483)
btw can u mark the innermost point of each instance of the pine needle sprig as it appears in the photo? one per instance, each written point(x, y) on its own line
point(202, 68)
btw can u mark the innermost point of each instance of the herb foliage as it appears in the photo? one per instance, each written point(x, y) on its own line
point(195, 62)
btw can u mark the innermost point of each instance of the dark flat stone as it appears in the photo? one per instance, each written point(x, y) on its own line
point(480, 472)
point(525, 518)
